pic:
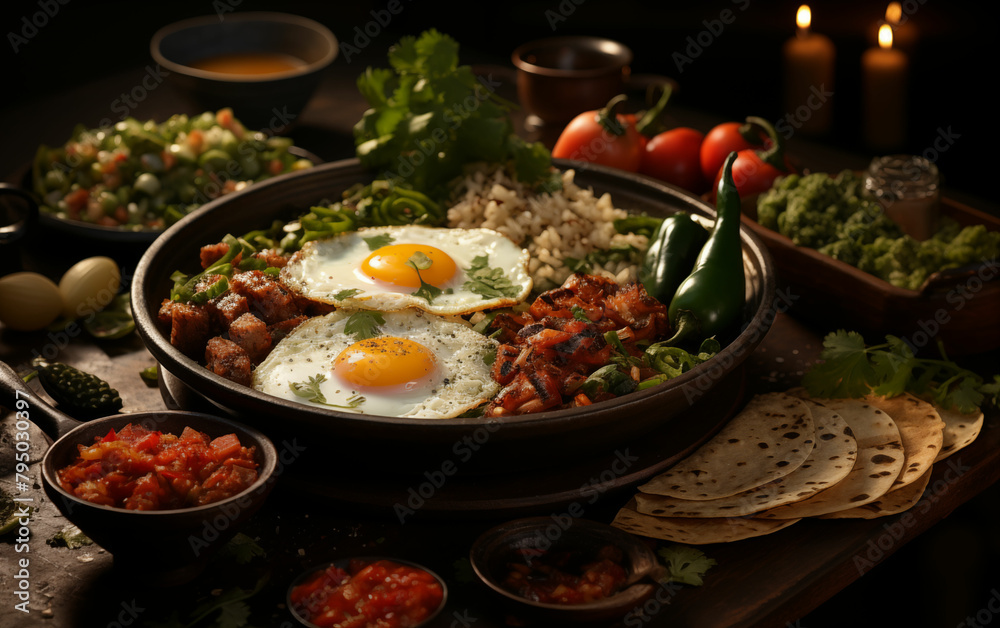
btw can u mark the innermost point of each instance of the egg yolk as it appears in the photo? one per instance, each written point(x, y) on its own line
point(391, 264)
point(384, 361)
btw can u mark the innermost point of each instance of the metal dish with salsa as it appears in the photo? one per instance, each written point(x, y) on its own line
point(140, 469)
point(364, 592)
point(566, 577)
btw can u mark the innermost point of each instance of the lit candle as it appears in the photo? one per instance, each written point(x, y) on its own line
point(884, 71)
point(809, 61)
point(904, 30)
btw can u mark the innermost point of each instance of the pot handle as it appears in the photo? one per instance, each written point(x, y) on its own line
point(16, 395)
point(15, 230)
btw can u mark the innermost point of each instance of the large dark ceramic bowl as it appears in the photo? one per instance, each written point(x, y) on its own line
point(262, 101)
point(416, 445)
point(165, 547)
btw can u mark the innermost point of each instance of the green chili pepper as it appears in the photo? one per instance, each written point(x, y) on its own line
point(710, 300)
point(671, 255)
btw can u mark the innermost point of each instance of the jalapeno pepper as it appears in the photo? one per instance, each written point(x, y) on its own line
point(671, 255)
point(710, 300)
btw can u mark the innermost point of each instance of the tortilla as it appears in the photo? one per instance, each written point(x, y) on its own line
point(960, 429)
point(892, 503)
point(696, 531)
point(921, 430)
point(879, 462)
point(768, 439)
point(830, 461)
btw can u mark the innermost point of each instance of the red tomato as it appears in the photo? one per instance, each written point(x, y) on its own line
point(719, 142)
point(599, 138)
point(674, 156)
point(751, 174)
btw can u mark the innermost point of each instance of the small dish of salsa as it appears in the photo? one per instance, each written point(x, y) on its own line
point(136, 468)
point(367, 592)
point(565, 569)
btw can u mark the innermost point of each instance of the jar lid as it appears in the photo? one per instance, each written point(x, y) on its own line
point(894, 177)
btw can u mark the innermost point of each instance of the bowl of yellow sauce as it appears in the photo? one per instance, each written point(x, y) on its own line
point(266, 66)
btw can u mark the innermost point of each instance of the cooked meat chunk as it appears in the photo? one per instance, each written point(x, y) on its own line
point(267, 297)
point(190, 326)
point(272, 258)
point(211, 253)
point(281, 329)
point(251, 333)
point(227, 309)
point(228, 359)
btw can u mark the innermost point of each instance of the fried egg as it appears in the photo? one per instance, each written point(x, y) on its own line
point(400, 364)
point(443, 271)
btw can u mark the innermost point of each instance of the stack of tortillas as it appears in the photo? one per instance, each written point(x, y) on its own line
point(787, 456)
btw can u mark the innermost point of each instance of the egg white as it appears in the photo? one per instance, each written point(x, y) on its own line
point(461, 381)
point(327, 270)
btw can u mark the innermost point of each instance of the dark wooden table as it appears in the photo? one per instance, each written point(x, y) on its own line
point(794, 577)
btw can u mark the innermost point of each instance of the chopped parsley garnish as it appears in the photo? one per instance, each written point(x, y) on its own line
point(364, 324)
point(490, 283)
point(309, 390)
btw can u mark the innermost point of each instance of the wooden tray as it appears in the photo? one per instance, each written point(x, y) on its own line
point(959, 307)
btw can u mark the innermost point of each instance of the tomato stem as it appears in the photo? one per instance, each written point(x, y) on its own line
point(608, 116)
point(774, 154)
point(651, 123)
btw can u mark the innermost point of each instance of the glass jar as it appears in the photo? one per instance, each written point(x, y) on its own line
point(908, 188)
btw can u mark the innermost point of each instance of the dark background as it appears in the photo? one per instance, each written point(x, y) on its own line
point(738, 74)
point(935, 581)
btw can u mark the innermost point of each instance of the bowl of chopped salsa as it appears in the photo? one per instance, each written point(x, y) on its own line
point(367, 591)
point(565, 568)
point(184, 481)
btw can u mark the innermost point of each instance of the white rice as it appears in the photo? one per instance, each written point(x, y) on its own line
point(569, 223)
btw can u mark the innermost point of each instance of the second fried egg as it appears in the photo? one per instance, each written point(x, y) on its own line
point(443, 271)
point(400, 364)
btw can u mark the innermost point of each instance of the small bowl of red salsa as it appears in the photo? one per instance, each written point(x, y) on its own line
point(367, 592)
point(565, 568)
point(160, 491)
point(138, 468)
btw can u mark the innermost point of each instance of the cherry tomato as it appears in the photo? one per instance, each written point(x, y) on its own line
point(674, 156)
point(751, 174)
point(602, 137)
point(720, 141)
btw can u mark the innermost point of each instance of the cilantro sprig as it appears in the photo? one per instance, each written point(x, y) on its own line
point(364, 324)
point(851, 369)
point(426, 98)
point(685, 564)
point(420, 261)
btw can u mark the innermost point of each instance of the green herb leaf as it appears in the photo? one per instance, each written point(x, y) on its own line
point(310, 391)
point(490, 283)
point(376, 242)
point(419, 261)
point(845, 370)
point(364, 324)
point(849, 369)
point(686, 564)
point(150, 375)
point(347, 294)
point(581, 315)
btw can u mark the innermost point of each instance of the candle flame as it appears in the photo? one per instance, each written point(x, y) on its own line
point(803, 17)
point(885, 36)
point(893, 13)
